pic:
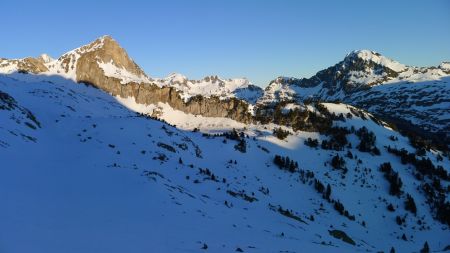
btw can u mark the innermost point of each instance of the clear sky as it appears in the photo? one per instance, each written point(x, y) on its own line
point(258, 39)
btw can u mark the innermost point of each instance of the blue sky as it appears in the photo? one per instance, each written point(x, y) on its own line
point(258, 39)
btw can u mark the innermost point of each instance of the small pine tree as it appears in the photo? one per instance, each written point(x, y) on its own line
point(410, 204)
point(399, 220)
point(426, 248)
point(292, 166)
point(404, 237)
point(328, 192)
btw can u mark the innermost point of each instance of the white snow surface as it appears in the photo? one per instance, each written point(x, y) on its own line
point(111, 70)
point(96, 177)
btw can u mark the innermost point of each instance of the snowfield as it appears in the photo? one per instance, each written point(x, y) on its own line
point(98, 175)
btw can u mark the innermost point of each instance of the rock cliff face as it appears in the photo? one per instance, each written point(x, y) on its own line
point(106, 50)
point(106, 65)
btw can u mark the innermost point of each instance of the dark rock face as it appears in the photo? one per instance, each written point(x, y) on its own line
point(88, 71)
point(339, 77)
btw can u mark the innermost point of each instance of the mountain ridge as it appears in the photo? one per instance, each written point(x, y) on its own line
point(362, 79)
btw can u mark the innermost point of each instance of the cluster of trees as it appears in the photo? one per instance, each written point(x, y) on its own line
point(306, 175)
point(240, 137)
point(313, 143)
point(241, 146)
point(208, 173)
point(280, 133)
point(326, 194)
point(338, 206)
point(423, 165)
point(395, 182)
point(324, 111)
point(436, 197)
point(434, 192)
point(241, 194)
point(285, 163)
point(338, 138)
point(320, 188)
point(234, 135)
point(297, 118)
point(367, 141)
point(286, 212)
point(338, 162)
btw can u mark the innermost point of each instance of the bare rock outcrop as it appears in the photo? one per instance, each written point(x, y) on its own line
point(106, 50)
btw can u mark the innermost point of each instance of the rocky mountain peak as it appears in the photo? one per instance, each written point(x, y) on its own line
point(365, 60)
point(45, 58)
point(104, 53)
point(445, 66)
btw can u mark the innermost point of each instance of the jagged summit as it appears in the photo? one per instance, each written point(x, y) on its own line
point(46, 58)
point(359, 70)
point(373, 57)
point(212, 85)
point(105, 54)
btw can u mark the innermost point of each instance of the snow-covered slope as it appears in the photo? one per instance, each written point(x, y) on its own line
point(98, 177)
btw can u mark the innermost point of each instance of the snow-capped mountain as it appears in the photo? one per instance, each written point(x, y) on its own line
point(240, 88)
point(360, 70)
point(104, 63)
point(416, 97)
point(147, 164)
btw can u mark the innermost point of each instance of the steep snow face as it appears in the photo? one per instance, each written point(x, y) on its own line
point(112, 70)
point(209, 86)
